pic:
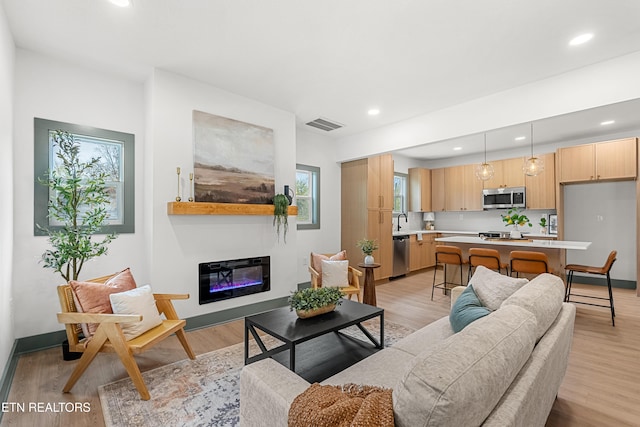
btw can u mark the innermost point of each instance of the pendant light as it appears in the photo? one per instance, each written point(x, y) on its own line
point(484, 171)
point(533, 165)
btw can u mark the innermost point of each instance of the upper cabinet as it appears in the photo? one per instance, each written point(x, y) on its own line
point(380, 182)
point(611, 160)
point(419, 190)
point(437, 190)
point(541, 189)
point(463, 191)
point(507, 173)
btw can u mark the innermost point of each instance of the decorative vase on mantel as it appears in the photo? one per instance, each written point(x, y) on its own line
point(369, 259)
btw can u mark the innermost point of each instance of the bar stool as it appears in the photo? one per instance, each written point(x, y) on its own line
point(603, 271)
point(528, 262)
point(447, 255)
point(489, 258)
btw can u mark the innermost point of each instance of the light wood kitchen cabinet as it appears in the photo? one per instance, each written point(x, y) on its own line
point(437, 190)
point(422, 253)
point(611, 160)
point(380, 182)
point(541, 189)
point(365, 183)
point(463, 191)
point(419, 190)
point(507, 173)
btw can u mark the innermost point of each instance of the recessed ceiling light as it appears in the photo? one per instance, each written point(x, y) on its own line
point(122, 3)
point(373, 112)
point(520, 138)
point(607, 122)
point(457, 148)
point(582, 38)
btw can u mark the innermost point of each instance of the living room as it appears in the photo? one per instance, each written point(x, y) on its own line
point(165, 250)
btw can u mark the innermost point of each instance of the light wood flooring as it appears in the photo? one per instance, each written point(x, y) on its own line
point(601, 386)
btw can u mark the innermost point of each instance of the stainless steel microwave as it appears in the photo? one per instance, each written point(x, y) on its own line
point(503, 198)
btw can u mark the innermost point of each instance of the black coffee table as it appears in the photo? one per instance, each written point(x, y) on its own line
point(317, 348)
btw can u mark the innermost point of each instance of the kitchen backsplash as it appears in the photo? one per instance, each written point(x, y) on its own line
point(490, 220)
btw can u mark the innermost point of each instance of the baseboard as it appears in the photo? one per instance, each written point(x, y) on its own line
point(602, 281)
point(210, 319)
point(7, 376)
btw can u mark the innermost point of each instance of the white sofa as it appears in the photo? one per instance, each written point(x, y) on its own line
point(504, 369)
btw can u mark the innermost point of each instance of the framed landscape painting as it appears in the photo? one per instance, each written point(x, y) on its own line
point(233, 161)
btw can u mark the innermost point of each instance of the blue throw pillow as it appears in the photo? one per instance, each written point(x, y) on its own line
point(466, 310)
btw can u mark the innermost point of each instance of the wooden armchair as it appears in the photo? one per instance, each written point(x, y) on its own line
point(354, 281)
point(109, 337)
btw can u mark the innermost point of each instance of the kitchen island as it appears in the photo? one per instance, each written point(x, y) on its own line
point(555, 249)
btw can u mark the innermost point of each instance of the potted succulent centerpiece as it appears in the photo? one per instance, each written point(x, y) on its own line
point(516, 218)
point(311, 302)
point(367, 246)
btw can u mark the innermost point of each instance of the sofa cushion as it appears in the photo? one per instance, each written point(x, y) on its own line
point(423, 338)
point(466, 310)
point(493, 288)
point(459, 381)
point(543, 297)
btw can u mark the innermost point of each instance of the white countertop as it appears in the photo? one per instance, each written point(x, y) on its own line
point(550, 244)
point(462, 233)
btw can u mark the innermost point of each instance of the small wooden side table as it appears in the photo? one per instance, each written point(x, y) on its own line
point(369, 296)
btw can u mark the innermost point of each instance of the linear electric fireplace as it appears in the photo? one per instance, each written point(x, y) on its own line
point(233, 278)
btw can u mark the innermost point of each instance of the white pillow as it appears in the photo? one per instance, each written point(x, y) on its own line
point(492, 288)
point(335, 274)
point(136, 301)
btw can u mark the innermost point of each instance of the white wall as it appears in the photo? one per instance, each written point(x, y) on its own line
point(600, 84)
point(604, 214)
point(317, 150)
point(56, 90)
point(179, 243)
point(7, 58)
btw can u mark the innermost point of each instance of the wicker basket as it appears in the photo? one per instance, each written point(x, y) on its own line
point(305, 314)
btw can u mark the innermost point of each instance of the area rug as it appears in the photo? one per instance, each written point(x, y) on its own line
point(201, 392)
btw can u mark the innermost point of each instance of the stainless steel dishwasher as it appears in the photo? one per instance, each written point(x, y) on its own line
point(400, 255)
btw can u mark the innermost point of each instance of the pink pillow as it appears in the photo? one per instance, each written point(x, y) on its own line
point(316, 262)
point(91, 297)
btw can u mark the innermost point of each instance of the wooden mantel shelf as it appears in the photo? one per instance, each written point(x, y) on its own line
point(202, 208)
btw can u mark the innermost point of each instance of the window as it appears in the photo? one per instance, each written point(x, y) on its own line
point(308, 197)
point(399, 193)
point(115, 150)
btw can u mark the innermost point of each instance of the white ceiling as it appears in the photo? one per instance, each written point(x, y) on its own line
point(336, 59)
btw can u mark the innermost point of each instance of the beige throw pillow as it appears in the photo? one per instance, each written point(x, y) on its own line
point(136, 301)
point(492, 288)
point(335, 274)
point(316, 262)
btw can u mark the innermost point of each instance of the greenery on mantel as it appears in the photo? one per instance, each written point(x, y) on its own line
point(78, 200)
point(313, 299)
point(281, 214)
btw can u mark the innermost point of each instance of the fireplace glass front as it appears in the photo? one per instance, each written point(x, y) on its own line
point(221, 280)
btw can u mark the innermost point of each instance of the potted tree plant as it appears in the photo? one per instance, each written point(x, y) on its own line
point(78, 200)
point(311, 302)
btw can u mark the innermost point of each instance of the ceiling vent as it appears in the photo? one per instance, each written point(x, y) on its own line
point(324, 124)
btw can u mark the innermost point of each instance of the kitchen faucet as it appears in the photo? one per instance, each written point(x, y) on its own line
point(405, 219)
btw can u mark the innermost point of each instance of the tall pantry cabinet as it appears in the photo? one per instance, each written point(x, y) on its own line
point(367, 204)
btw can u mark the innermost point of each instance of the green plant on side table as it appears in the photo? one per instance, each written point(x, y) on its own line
point(311, 302)
point(281, 214)
point(79, 201)
point(367, 246)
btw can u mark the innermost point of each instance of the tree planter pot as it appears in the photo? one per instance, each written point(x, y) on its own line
point(69, 355)
point(305, 314)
